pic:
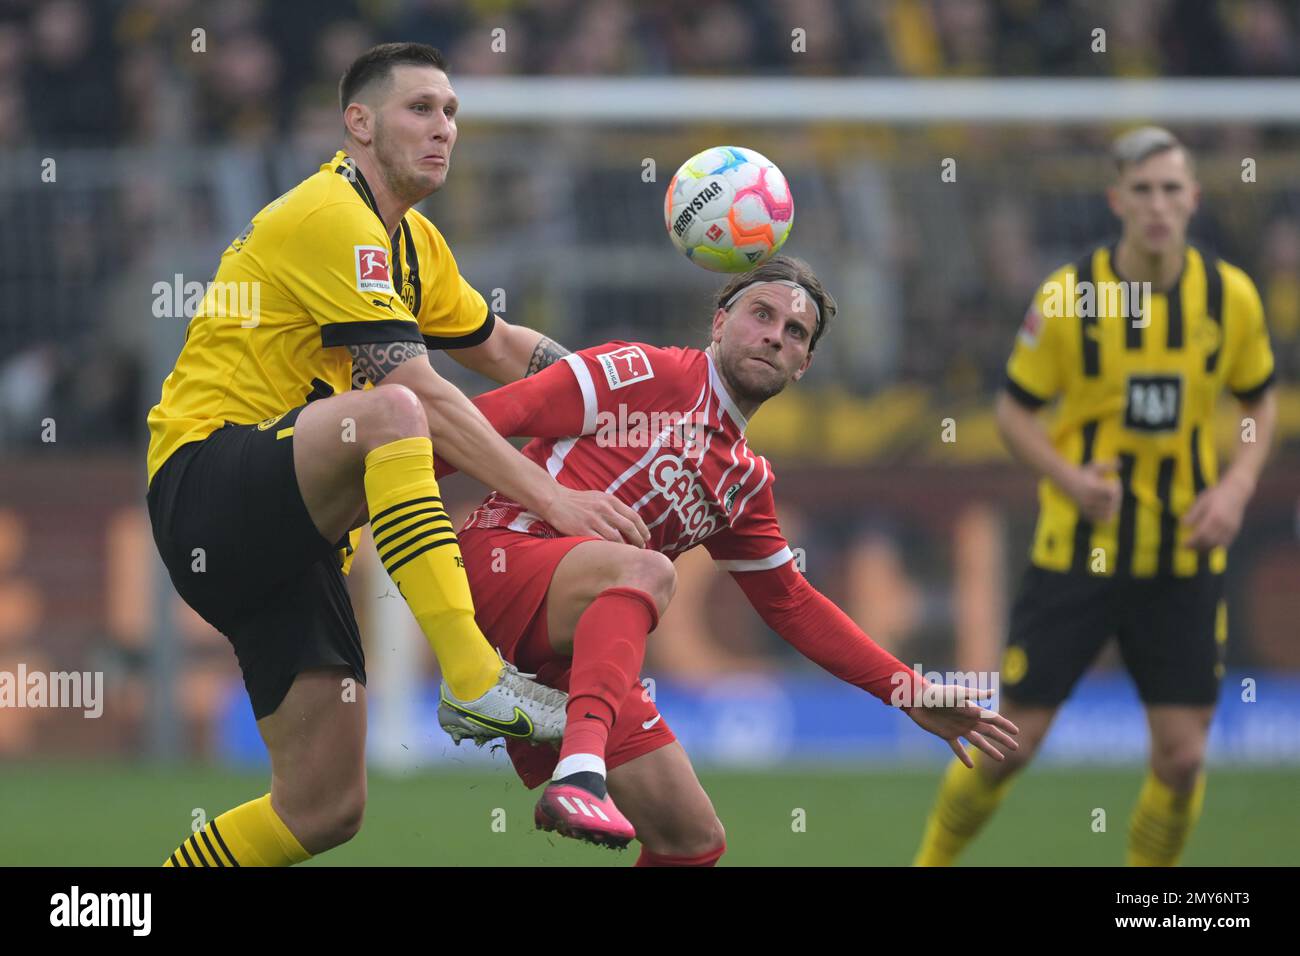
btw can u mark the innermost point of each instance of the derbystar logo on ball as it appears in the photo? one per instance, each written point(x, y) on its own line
point(728, 209)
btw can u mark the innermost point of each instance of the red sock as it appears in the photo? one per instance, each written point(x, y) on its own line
point(608, 648)
point(650, 858)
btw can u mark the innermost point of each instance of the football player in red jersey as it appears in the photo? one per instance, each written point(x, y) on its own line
point(662, 429)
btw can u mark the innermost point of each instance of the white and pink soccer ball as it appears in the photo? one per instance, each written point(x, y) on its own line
point(728, 209)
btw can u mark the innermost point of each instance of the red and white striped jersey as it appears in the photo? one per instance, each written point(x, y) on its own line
point(660, 432)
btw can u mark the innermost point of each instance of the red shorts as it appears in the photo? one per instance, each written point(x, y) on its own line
point(509, 586)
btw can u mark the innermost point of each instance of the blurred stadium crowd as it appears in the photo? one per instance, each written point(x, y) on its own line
point(164, 153)
point(75, 72)
point(124, 74)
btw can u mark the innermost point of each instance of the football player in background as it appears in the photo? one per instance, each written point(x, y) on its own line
point(663, 430)
point(1134, 518)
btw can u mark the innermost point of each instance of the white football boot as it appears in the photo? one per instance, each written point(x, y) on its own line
point(516, 706)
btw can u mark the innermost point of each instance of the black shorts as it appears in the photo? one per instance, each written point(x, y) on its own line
point(1172, 634)
point(241, 549)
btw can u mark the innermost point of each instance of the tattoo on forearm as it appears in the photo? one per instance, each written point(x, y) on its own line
point(548, 352)
point(373, 362)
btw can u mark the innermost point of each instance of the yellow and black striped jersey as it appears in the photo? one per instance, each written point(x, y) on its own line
point(1137, 378)
point(316, 270)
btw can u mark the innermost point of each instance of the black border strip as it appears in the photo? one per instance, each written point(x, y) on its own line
point(369, 333)
point(412, 267)
point(1251, 394)
point(1082, 526)
point(1213, 304)
point(1022, 394)
point(1198, 484)
point(1089, 347)
point(1128, 505)
point(469, 339)
point(1168, 521)
point(1174, 312)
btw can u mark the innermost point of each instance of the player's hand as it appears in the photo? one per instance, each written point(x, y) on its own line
point(956, 716)
point(1096, 490)
point(1215, 515)
point(596, 513)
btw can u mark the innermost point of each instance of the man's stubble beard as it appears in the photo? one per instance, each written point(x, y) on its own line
point(742, 387)
point(408, 188)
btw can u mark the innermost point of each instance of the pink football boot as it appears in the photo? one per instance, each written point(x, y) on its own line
point(580, 808)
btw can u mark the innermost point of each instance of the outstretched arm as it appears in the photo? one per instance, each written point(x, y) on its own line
point(812, 624)
point(546, 405)
point(510, 353)
point(460, 431)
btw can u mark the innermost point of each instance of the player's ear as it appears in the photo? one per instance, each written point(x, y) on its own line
point(1112, 199)
point(799, 372)
point(719, 319)
point(359, 122)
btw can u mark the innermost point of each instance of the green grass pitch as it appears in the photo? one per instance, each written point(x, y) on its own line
point(116, 814)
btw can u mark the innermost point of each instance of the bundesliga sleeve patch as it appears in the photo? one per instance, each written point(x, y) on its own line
point(372, 269)
point(625, 366)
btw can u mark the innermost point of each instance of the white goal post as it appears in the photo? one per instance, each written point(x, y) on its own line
point(601, 100)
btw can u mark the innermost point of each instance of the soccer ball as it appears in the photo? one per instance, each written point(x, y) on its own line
point(728, 209)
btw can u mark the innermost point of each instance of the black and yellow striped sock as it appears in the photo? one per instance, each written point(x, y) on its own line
point(965, 802)
point(1162, 821)
point(249, 835)
point(417, 545)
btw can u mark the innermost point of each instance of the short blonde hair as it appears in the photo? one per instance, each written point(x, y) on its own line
point(1140, 144)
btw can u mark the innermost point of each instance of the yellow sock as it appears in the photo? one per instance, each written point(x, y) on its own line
point(965, 802)
point(1162, 821)
point(417, 545)
point(249, 835)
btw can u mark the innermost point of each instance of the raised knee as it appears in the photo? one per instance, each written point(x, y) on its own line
point(649, 571)
point(345, 816)
point(717, 838)
point(398, 413)
point(705, 840)
point(333, 822)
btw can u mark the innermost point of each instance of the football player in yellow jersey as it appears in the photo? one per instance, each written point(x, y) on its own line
point(263, 457)
point(1134, 343)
